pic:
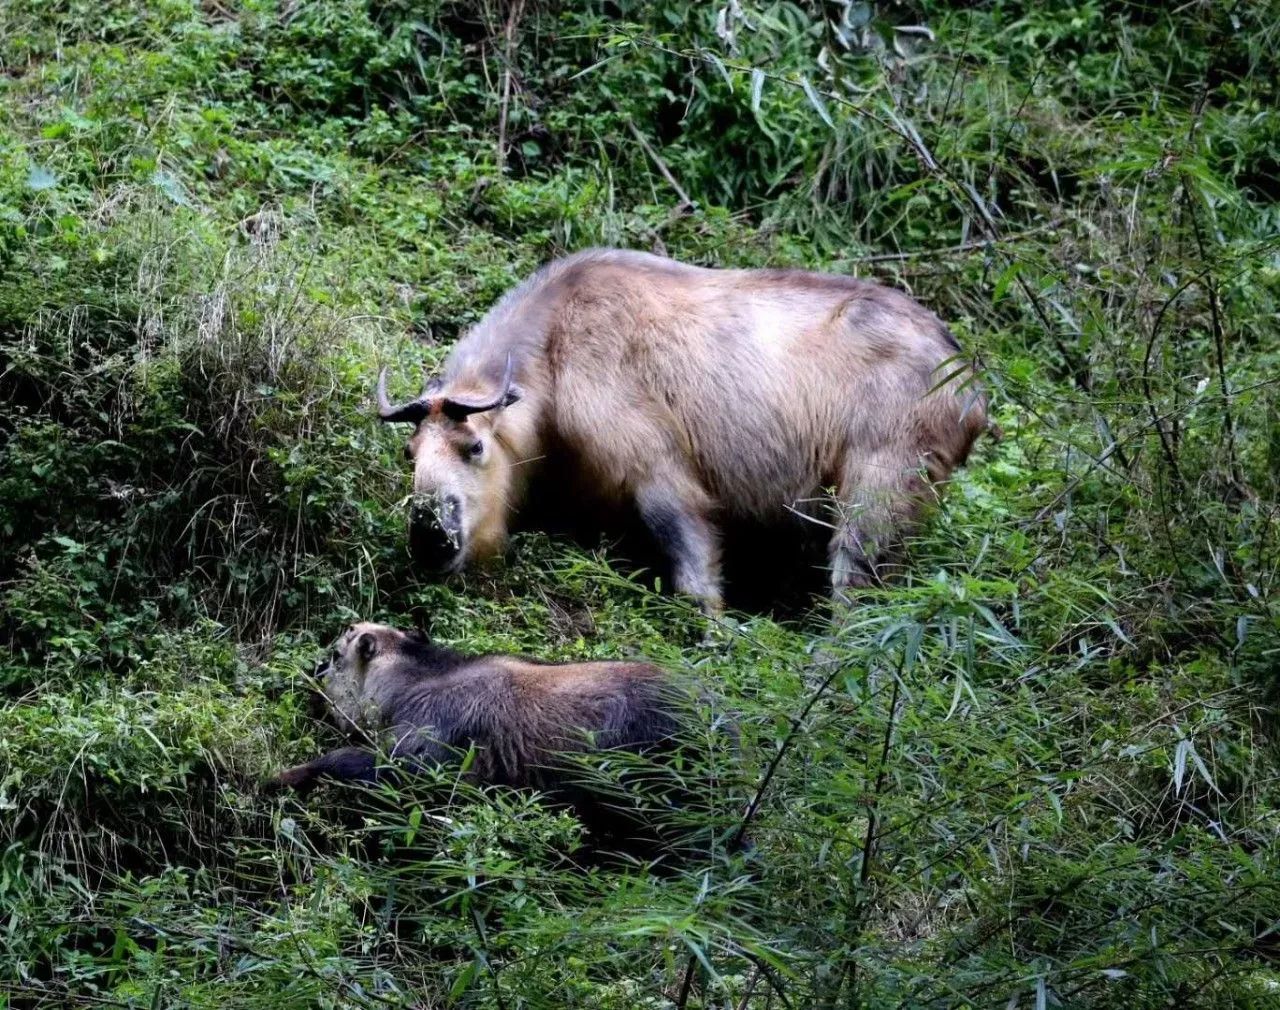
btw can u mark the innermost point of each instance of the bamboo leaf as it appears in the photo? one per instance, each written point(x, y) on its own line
point(816, 101)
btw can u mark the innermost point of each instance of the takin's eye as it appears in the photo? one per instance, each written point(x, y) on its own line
point(473, 450)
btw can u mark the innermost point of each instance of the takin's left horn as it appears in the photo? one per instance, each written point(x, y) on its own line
point(411, 412)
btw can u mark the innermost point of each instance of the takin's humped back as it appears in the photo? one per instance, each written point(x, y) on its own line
point(410, 703)
point(696, 397)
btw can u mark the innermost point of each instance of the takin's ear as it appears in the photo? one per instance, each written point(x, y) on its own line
point(366, 647)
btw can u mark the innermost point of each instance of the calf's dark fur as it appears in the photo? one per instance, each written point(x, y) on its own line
point(529, 724)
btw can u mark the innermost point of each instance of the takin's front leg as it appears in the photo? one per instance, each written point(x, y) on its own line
point(675, 512)
point(878, 500)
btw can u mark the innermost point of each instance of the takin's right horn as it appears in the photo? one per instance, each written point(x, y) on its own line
point(460, 410)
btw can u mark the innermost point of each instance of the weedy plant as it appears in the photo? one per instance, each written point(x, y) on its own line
point(1039, 771)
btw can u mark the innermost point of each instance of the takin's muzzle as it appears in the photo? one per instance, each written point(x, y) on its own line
point(436, 539)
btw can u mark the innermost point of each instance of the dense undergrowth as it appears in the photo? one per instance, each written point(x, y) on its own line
point(1041, 771)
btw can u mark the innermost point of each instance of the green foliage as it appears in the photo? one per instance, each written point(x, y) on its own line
point(1040, 771)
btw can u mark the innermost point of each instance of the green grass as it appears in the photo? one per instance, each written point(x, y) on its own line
point(1040, 771)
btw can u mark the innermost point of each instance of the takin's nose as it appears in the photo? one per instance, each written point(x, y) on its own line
point(435, 530)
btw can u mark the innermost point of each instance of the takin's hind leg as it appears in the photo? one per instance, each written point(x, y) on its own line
point(878, 499)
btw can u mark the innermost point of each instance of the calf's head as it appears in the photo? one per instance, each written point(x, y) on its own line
point(461, 470)
point(353, 675)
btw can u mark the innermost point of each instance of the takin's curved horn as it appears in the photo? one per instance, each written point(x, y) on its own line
point(412, 412)
point(459, 410)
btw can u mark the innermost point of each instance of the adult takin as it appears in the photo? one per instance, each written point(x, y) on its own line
point(526, 724)
point(697, 397)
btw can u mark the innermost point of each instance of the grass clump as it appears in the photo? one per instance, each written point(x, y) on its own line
point(1040, 771)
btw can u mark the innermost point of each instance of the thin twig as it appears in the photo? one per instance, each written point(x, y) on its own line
point(774, 985)
point(869, 846)
point(963, 247)
point(687, 985)
point(751, 987)
point(686, 203)
point(1166, 446)
point(754, 806)
point(796, 723)
point(873, 824)
point(484, 955)
point(1219, 347)
point(513, 17)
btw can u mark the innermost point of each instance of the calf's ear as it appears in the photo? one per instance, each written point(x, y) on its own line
point(366, 647)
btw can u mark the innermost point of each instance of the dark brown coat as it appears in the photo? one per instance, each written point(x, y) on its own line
point(411, 702)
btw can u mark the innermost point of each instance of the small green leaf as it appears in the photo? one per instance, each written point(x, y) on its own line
point(171, 186)
point(1004, 280)
point(464, 980)
point(816, 101)
point(757, 87)
point(718, 63)
point(1180, 764)
point(40, 178)
point(415, 821)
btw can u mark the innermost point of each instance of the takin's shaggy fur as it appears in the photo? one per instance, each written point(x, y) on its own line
point(698, 397)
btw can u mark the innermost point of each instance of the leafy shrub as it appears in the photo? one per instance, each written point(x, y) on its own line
point(1039, 771)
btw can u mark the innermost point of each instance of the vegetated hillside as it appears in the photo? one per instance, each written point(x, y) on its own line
point(1040, 771)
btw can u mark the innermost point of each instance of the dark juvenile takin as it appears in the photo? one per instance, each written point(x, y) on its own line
point(624, 382)
point(413, 702)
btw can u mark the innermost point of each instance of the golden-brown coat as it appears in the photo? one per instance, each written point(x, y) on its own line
point(698, 396)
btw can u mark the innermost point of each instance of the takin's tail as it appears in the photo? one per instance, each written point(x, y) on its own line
point(974, 423)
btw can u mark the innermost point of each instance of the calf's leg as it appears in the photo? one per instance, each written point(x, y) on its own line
point(346, 764)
